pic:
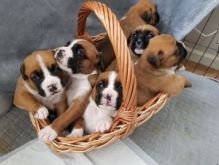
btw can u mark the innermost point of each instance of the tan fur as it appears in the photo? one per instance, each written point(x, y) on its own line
point(76, 110)
point(131, 21)
point(72, 114)
point(22, 98)
point(133, 17)
point(89, 64)
point(152, 80)
point(143, 28)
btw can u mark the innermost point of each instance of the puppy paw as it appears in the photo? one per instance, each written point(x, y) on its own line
point(76, 132)
point(103, 126)
point(188, 84)
point(47, 134)
point(42, 113)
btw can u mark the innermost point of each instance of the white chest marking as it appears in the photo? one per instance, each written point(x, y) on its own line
point(93, 115)
point(80, 86)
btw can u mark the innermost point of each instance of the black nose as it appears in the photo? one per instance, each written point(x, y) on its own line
point(139, 43)
point(60, 55)
point(52, 88)
point(182, 50)
point(108, 97)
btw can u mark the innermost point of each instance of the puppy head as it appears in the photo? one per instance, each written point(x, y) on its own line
point(77, 57)
point(42, 74)
point(107, 91)
point(140, 37)
point(163, 51)
point(147, 11)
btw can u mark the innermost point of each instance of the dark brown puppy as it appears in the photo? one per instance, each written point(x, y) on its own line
point(143, 12)
point(153, 69)
point(41, 85)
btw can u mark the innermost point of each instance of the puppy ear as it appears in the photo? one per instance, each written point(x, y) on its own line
point(68, 43)
point(100, 64)
point(146, 16)
point(22, 71)
point(92, 79)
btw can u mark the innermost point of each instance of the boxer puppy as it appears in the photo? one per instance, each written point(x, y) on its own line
point(138, 40)
point(104, 101)
point(41, 85)
point(143, 12)
point(153, 69)
point(79, 59)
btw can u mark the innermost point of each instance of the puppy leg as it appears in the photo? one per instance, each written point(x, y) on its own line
point(25, 100)
point(174, 85)
point(188, 84)
point(103, 124)
point(78, 129)
point(61, 107)
point(74, 112)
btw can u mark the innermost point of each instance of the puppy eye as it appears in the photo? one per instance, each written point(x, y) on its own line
point(150, 35)
point(35, 76)
point(160, 53)
point(101, 84)
point(134, 35)
point(81, 53)
point(118, 86)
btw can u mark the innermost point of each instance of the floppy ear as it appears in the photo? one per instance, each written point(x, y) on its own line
point(92, 79)
point(146, 16)
point(68, 43)
point(22, 71)
point(100, 64)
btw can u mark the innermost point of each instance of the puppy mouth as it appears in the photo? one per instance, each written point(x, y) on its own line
point(138, 51)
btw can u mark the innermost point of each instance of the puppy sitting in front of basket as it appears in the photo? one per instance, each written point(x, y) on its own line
point(79, 59)
point(153, 69)
point(105, 99)
point(41, 86)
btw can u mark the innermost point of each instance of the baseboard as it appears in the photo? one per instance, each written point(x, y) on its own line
point(206, 59)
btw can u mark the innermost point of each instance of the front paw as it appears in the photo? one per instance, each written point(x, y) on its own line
point(47, 134)
point(103, 126)
point(42, 113)
point(188, 84)
point(76, 132)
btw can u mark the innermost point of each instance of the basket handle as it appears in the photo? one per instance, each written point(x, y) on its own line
point(118, 40)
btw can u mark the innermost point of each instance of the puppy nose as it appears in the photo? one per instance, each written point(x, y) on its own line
point(139, 42)
point(182, 50)
point(108, 97)
point(52, 88)
point(60, 55)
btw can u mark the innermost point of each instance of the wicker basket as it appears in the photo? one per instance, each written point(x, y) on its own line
point(130, 116)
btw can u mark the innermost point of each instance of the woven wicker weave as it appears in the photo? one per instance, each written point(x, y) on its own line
point(130, 116)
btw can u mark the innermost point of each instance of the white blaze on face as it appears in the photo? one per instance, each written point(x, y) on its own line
point(109, 94)
point(66, 54)
point(49, 80)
